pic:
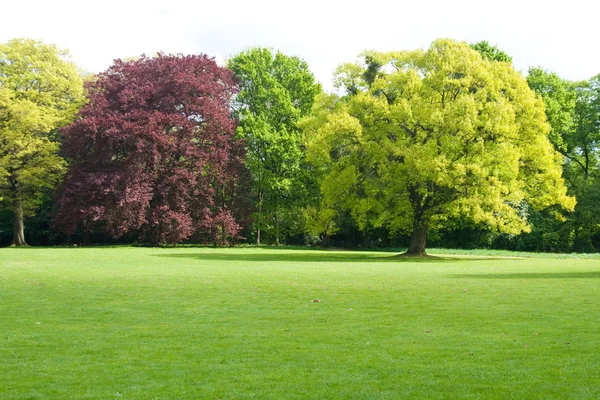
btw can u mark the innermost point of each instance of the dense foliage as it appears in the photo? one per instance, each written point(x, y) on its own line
point(154, 152)
point(434, 135)
point(490, 52)
point(448, 146)
point(275, 92)
point(40, 91)
point(573, 110)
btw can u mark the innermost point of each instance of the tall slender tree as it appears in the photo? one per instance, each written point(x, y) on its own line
point(40, 91)
point(275, 92)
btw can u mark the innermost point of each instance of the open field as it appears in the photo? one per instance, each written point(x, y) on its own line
point(179, 323)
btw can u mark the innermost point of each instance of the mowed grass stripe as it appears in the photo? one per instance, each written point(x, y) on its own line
point(144, 323)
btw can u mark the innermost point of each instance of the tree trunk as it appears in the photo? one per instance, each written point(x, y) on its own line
point(85, 239)
point(418, 240)
point(276, 229)
point(259, 219)
point(420, 224)
point(18, 226)
point(277, 222)
point(85, 236)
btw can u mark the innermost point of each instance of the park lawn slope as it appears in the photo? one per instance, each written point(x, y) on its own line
point(158, 323)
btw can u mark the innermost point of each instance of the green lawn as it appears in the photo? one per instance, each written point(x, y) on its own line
point(195, 323)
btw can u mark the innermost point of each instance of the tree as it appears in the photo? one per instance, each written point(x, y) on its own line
point(490, 52)
point(559, 99)
point(275, 92)
point(573, 112)
point(40, 91)
point(153, 152)
point(437, 134)
point(582, 168)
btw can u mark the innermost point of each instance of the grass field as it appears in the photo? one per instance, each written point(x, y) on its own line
point(195, 323)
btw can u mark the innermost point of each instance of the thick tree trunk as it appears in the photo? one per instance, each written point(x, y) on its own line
point(420, 224)
point(418, 240)
point(18, 226)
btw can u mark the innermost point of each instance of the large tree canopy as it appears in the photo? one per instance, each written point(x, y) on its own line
point(153, 152)
point(426, 135)
point(276, 90)
point(40, 91)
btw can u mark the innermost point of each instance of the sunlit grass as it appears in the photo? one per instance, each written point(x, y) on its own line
point(140, 323)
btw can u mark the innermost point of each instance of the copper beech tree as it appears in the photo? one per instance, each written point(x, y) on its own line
point(154, 153)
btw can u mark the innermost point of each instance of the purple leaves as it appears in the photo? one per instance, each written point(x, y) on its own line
point(153, 152)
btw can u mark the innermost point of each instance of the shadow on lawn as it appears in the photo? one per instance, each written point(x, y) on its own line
point(535, 275)
point(315, 256)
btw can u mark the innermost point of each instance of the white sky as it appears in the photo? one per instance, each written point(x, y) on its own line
point(561, 36)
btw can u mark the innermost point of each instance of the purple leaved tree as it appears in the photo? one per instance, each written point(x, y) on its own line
point(154, 152)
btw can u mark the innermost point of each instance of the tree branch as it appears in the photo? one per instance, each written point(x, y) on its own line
point(572, 158)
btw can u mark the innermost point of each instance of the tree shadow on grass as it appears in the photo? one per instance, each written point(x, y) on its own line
point(314, 256)
point(534, 275)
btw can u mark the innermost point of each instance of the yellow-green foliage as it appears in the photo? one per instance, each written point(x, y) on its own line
point(434, 134)
point(40, 91)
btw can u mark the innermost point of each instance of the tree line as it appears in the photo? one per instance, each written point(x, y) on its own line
point(449, 145)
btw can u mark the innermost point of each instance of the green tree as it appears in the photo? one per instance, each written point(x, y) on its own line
point(559, 97)
point(40, 91)
point(573, 112)
point(490, 52)
point(276, 90)
point(438, 134)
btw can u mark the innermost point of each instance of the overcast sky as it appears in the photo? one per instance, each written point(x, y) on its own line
point(559, 36)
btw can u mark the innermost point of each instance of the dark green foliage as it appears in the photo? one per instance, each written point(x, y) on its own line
point(490, 52)
point(372, 70)
point(6, 230)
point(573, 111)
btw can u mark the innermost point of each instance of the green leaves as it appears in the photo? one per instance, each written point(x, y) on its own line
point(559, 100)
point(490, 52)
point(573, 111)
point(276, 91)
point(424, 136)
point(40, 91)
